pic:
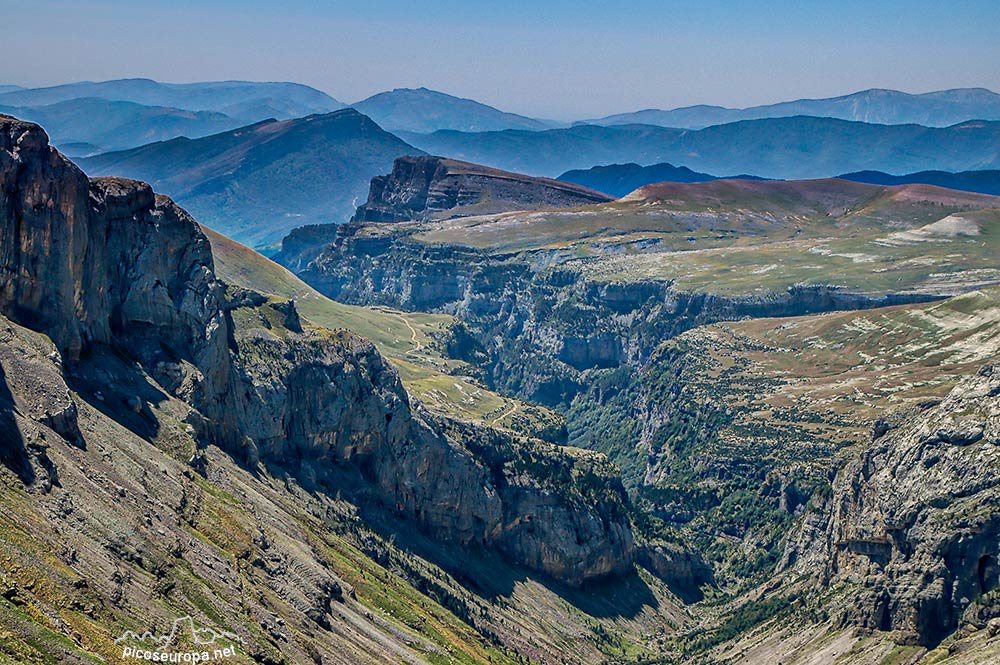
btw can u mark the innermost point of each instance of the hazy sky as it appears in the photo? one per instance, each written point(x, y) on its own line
point(554, 58)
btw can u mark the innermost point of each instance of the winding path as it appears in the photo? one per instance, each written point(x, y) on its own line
point(508, 413)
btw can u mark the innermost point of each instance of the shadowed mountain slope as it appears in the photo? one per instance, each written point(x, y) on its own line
point(256, 183)
point(620, 179)
point(984, 182)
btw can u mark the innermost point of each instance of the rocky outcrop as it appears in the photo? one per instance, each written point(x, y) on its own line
point(326, 403)
point(913, 527)
point(684, 570)
point(423, 188)
point(105, 263)
point(106, 260)
point(304, 244)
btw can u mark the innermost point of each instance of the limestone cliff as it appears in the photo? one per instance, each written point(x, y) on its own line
point(106, 260)
point(105, 263)
point(436, 188)
point(913, 527)
point(325, 400)
point(523, 306)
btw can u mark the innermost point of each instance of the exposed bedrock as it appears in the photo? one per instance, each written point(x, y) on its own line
point(107, 264)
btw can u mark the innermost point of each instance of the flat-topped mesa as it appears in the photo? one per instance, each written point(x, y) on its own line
point(425, 188)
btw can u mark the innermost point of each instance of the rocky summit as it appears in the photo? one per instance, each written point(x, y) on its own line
point(424, 188)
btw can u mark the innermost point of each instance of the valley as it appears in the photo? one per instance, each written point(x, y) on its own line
point(196, 439)
point(413, 341)
point(690, 333)
point(371, 382)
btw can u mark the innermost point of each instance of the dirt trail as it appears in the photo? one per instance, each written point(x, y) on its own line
point(413, 334)
point(506, 414)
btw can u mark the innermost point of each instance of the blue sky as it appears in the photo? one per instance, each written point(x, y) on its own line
point(554, 58)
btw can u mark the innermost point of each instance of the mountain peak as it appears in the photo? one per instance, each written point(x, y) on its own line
point(423, 110)
point(289, 172)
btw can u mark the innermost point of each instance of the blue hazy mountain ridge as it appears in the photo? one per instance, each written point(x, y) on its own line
point(619, 179)
point(890, 107)
point(983, 182)
point(423, 110)
point(234, 98)
point(86, 118)
point(105, 125)
point(256, 183)
point(785, 148)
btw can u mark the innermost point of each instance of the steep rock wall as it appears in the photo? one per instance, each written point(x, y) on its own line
point(435, 187)
point(105, 262)
point(913, 526)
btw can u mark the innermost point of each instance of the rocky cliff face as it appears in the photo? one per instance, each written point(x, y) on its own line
point(106, 263)
point(326, 401)
point(524, 306)
point(106, 260)
point(421, 188)
point(913, 527)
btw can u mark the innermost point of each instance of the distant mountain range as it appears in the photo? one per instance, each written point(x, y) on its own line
point(888, 107)
point(984, 182)
point(255, 179)
point(786, 148)
point(423, 110)
point(87, 118)
point(621, 179)
point(256, 183)
point(81, 127)
point(234, 98)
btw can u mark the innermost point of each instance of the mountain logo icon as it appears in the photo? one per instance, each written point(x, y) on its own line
point(185, 624)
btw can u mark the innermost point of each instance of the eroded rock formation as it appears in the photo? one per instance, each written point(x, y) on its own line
point(913, 527)
point(106, 263)
point(423, 188)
